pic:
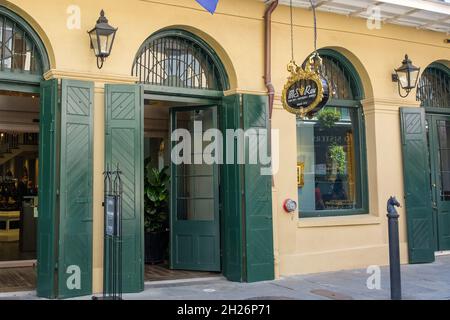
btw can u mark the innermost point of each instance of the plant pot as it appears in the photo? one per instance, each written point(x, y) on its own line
point(155, 246)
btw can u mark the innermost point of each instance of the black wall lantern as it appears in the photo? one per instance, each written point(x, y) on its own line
point(406, 76)
point(102, 39)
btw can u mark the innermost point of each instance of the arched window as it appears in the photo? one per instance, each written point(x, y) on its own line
point(177, 58)
point(331, 163)
point(433, 90)
point(23, 58)
point(21, 50)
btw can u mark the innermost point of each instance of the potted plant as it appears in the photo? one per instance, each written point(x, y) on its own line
point(156, 217)
point(328, 117)
point(337, 155)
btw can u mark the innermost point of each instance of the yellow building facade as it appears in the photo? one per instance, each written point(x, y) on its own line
point(236, 34)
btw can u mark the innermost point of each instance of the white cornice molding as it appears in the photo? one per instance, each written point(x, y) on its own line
point(393, 103)
point(95, 77)
point(244, 91)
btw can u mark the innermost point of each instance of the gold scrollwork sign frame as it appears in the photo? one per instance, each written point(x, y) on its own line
point(309, 73)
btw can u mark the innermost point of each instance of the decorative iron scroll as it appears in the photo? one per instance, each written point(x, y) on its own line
point(176, 61)
point(433, 90)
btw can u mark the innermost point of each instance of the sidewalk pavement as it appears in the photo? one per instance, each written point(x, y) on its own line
point(426, 281)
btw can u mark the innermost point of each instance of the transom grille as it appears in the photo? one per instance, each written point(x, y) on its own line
point(434, 88)
point(17, 51)
point(176, 62)
point(341, 81)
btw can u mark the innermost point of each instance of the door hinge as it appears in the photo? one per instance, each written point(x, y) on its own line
point(56, 265)
point(241, 106)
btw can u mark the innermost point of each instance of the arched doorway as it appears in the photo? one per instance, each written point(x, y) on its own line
point(23, 60)
point(426, 151)
point(434, 94)
point(180, 64)
point(219, 215)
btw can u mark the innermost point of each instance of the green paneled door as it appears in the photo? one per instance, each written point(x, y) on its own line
point(231, 194)
point(439, 147)
point(76, 180)
point(124, 146)
point(195, 224)
point(47, 240)
point(246, 193)
point(258, 192)
point(416, 175)
point(65, 190)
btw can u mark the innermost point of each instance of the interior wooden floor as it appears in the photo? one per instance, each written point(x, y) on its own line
point(17, 279)
point(24, 279)
point(161, 272)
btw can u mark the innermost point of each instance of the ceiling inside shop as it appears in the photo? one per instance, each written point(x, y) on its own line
point(19, 113)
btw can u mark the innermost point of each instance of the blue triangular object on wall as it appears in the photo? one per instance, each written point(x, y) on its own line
point(209, 5)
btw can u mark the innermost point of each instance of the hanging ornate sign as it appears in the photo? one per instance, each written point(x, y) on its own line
point(306, 90)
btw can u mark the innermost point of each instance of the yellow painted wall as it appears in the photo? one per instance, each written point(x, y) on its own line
point(236, 33)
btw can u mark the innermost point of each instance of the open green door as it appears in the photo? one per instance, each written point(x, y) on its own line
point(439, 148)
point(416, 176)
point(124, 147)
point(246, 193)
point(47, 240)
point(195, 224)
point(258, 193)
point(76, 180)
point(231, 194)
point(65, 190)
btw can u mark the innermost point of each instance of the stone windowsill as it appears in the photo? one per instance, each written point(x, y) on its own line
point(357, 220)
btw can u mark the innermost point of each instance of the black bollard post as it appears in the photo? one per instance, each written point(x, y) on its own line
point(394, 249)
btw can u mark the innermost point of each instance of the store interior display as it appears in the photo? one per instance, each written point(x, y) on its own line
point(18, 195)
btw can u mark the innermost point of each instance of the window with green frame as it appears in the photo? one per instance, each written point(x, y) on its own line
point(23, 57)
point(433, 90)
point(331, 163)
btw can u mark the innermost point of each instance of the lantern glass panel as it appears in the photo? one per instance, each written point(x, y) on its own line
point(403, 79)
point(106, 39)
point(414, 76)
point(104, 45)
point(94, 42)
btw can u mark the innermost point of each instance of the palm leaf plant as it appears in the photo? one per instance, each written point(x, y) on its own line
point(156, 198)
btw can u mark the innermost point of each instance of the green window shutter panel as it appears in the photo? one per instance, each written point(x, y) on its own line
point(417, 185)
point(76, 181)
point(124, 147)
point(231, 196)
point(47, 241)
point(258, 196)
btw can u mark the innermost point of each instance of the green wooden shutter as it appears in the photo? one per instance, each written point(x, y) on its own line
point(258, 197)
point(47, 241)
point(124, 146)
point(416, 175)
point(76, 180)
point(231, 191)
